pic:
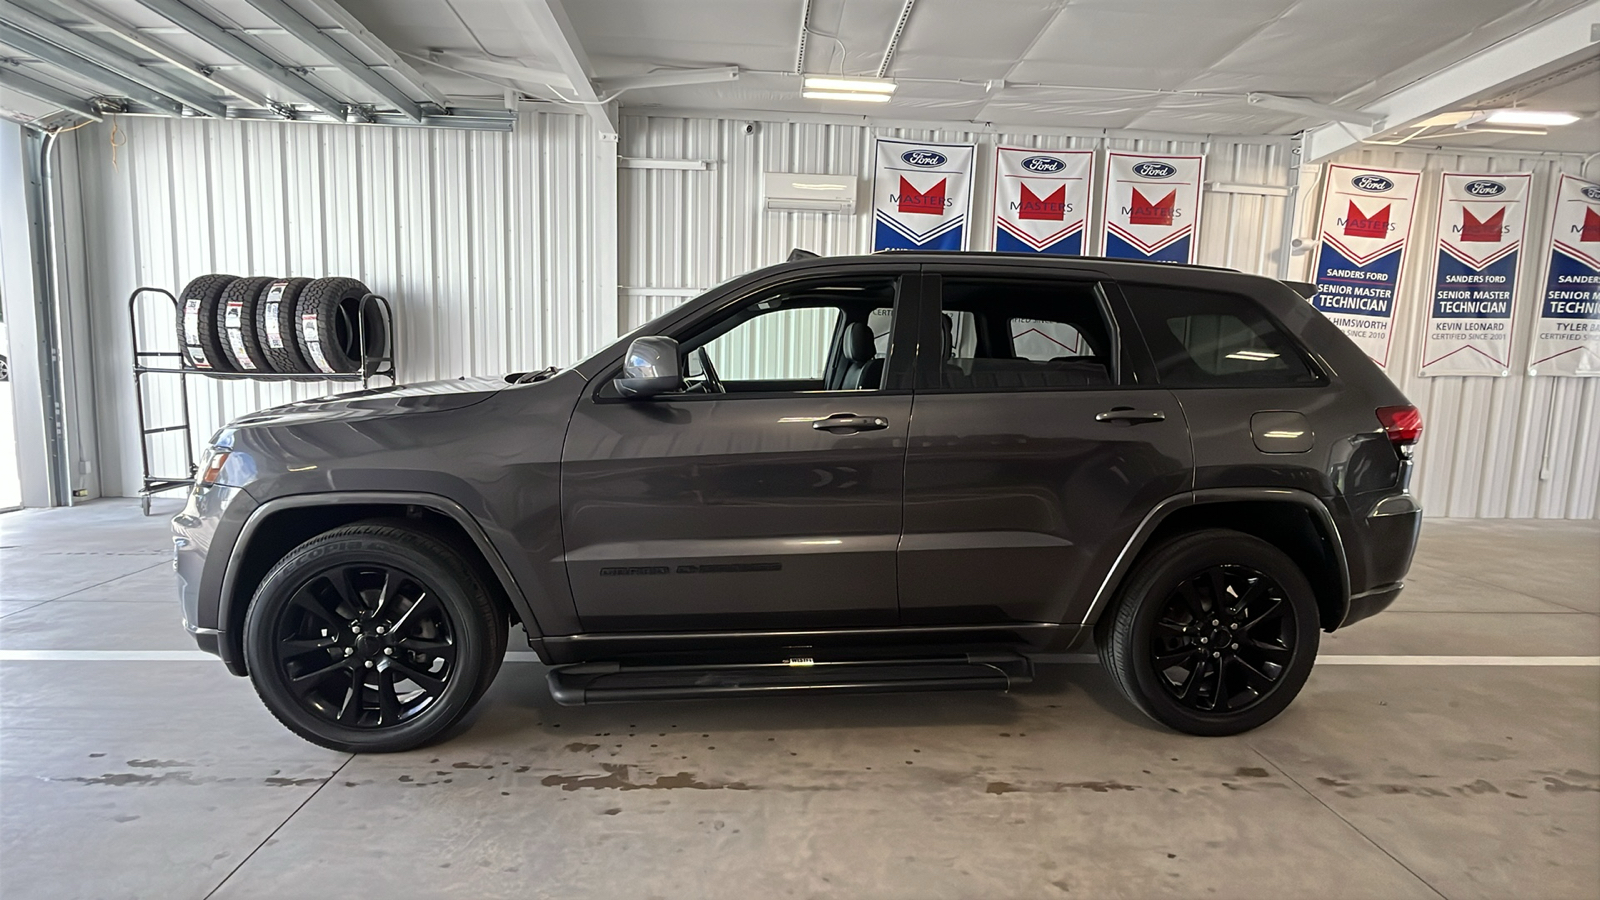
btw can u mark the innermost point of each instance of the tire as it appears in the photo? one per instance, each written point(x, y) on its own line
point(236, 320)
point(199, 334)
point(312, 633)
point(1188, 679)
point(328, 331)
point(276, 318)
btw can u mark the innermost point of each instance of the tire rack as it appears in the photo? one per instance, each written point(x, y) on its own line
point(156, 362)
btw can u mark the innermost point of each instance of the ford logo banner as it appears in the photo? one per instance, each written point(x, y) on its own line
point(923, 158)
point(1043, 164)
point(1372, 184)
point(1485, 188)
point(1154, 170)
point(1592, 192)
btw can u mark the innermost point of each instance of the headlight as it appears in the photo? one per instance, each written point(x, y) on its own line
point(211, 465)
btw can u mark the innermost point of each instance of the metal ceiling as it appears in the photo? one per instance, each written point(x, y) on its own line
point(1224, 67)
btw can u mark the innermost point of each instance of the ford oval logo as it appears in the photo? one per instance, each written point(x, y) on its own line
point(1485, 188)
point(924, 158)
point(1043, 164)
point(1372, 184)
point(1590, 191)
point(1154, 170)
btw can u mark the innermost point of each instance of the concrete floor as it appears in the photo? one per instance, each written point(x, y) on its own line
point(146, 777)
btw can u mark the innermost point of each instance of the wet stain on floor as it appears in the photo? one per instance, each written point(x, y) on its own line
point(617, 778)
point(1057, 787)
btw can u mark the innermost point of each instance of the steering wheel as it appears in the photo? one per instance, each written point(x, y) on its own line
point(712, 384)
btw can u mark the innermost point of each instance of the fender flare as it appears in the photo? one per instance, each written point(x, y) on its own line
point(1159, 513)
point(435, 502)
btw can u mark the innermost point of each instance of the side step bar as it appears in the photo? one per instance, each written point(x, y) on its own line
point(586, 683)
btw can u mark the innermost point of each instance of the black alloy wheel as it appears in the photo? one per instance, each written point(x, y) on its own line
point(1224, 639)
point(1213, 633)
point(372, 638)
point(366, 646)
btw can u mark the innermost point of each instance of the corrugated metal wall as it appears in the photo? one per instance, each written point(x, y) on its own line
point(686, 230)
point(475, 237)
point(1516, 446)
point(478, 238)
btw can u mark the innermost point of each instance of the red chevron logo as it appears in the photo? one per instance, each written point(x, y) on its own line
point(1142, 212)
point(1052, 208)
point(1490, 230)
point(1591, 227)
point(1359, 224)
point(930, 203)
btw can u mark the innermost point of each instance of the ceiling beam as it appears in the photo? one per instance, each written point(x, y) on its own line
point(141, 39)
point(114, 82)
point(670, 78)
point(375, 45)
point(116, 61)
point(12, 80)
point(1314, 109)
point(473, 65)
point(1551, 40)
point(308, 33)
point(894, 39)
point(550, 17)
point(805, 36)
point(232, 45)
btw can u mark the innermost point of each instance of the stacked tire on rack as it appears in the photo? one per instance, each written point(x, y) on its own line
point(280, 326)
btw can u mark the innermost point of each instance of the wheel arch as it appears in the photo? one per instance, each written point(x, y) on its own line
point(280, 525)
point(1294, 521)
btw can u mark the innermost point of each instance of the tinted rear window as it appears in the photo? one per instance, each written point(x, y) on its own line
point(1214, 339)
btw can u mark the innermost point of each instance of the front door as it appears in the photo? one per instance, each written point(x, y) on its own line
point(767, 496)
point(1034, 452)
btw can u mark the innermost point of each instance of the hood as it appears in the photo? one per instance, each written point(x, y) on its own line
point(427, 396)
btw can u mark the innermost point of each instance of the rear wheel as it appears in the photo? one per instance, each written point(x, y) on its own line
point(1214, 634)
point(372, 638)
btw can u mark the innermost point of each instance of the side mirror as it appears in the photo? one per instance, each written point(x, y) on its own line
point(651, 367)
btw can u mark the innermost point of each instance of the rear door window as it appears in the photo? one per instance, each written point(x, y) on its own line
point(1022, 333)
point(1214, 339)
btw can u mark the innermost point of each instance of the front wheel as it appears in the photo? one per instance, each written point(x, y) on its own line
point(1214, 634)
point(372, 638)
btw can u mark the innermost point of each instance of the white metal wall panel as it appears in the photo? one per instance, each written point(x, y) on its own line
point(1516, 446)
point(687, 229)
point(475, 237)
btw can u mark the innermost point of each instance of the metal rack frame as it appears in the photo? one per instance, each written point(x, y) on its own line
point(370, 367)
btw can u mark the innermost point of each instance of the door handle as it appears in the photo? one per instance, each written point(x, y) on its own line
point(850, 422)
point(1130, 415)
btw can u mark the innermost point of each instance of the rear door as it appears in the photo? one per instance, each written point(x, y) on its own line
point(1037, 444)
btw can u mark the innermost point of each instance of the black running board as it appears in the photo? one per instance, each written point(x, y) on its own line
point(586, 683)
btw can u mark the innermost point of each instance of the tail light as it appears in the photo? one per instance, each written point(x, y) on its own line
point(1403, 424)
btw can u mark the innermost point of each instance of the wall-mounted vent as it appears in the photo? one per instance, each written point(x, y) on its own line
point(810, 193)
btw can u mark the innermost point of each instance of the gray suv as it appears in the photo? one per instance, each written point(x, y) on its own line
point(908, 471)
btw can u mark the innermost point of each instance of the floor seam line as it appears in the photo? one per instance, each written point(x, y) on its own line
point(1348, 824)
point(90, 587)
point(287, 819)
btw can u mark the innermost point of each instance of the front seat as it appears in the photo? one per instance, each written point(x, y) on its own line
point(863, 368)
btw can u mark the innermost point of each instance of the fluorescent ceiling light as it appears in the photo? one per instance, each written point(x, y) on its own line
point(864, 85)
point(1530, 117)
point(845, 95)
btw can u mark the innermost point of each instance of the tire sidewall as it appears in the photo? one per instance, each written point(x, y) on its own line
point(304, 562)
point(1161, 576)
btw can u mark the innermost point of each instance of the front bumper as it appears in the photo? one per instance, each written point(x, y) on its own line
point(203, 537)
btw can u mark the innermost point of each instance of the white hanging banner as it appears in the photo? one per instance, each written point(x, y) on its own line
point(1041, 200)
point(1152, 207)
point(922, 195)
point(1482, 221)
point(1365, 226)
point(1566, 336)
